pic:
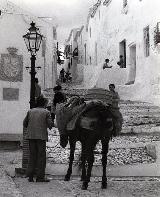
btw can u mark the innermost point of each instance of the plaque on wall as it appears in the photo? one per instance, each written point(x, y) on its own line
point(11, 66)
point(11, 94)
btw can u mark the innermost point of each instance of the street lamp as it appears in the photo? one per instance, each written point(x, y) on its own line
point(33, 40)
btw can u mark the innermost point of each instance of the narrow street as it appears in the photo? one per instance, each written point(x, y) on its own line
point(53, 50)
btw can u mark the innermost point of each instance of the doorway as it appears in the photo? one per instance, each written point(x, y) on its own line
point(132, 64)
point(122, 51)
point(85, 54)
point(95, 53)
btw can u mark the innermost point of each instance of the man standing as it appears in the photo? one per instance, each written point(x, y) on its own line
point(117, 116)
point(37, 121)
point(115, 96)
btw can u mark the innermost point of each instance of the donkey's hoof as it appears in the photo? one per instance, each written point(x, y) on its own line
point(104, 186)
point(66, 178)
point(84, 186)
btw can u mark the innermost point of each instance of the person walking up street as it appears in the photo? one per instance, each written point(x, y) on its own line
point(37, 121)
point(59, 97)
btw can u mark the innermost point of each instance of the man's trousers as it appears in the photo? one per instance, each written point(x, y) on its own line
point(37, 158)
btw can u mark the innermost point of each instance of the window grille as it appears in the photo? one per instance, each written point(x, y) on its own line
point(125, 2)
point(146, 41)
point(157, 34)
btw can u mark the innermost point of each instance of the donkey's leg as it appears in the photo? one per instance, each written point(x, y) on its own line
point(90, 160)
point(105, 146)
point(87, 172)
point(83, 164)
point(72, 142)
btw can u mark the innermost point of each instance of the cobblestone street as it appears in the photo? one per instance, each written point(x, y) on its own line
point(117, 187)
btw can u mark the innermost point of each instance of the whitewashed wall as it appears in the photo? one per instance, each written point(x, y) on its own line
point(96, 76)
point(112, 24)
point(13, 27)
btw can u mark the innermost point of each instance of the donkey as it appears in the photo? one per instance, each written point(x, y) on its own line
point(94, 124)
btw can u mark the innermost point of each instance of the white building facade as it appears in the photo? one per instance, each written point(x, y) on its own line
point(129, 28)
point(14, 58)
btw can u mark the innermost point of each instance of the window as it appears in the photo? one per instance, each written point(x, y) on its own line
point(146, 41)
point(90, 60)
point(107, 2)
point(90, 32)
point(43, 48)
point(125, 3)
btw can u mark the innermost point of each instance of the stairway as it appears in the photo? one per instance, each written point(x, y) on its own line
point(141, 127)
point(139, 117)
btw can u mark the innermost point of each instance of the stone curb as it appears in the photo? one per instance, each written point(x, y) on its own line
point(7, 186)
point(151, 150)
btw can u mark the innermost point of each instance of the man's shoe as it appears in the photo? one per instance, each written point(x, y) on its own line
point(43, 180)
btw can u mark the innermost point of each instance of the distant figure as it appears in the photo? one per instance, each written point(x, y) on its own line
point(117, 116)
point(62, 77)
point(37, 89)
point(105, 65)
point(37, 121)
point(115, 96)
point(68, 76)
point(121, 62)
point(59, 97)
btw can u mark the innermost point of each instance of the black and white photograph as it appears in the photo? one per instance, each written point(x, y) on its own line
point(79, 98)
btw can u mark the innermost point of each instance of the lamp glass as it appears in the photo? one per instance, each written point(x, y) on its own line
point(33, 39)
